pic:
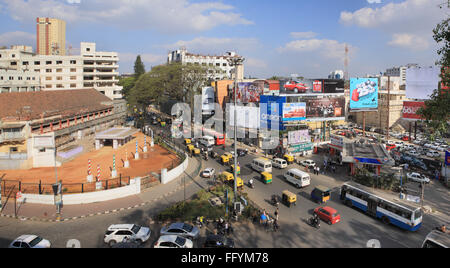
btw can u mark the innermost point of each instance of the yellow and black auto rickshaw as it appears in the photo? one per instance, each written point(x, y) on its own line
point(190, 147)
point(266, 177)
point(289, 198)
point(321, 194)
point(238, 170)
point(187, 141)
point(227, 177)
point(289, 158)
point(225, 158)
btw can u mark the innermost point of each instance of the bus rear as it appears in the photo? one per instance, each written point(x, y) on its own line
point(220, 139)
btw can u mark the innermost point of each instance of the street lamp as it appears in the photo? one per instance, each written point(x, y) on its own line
point(235, 61)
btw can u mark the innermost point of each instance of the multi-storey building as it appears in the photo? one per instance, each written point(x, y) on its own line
point(18, 81)
point(219, 66)
point(51, 36)
point(400, 72)
point(90, 69)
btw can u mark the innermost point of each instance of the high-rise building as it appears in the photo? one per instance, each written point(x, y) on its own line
point(51, 36)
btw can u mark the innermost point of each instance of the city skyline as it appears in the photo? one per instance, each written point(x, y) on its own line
point(282, 41)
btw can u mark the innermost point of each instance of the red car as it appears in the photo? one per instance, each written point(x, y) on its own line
point(296, 86)
point(390, 146)
point(328, 214)
point(405, 138)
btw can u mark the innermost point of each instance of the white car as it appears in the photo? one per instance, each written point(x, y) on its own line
point(173, 241)
point(414, 153)
point(118, 233)
point(417, 142)
point(308, 163)
point(399, 144)
point(433, 154)
point(428, 145)
point(30, 241)
point(208, 173)
point(417, 177)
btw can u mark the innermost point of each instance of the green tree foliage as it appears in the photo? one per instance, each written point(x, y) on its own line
point(437, 110)
point(139, 68)
point(127, 83)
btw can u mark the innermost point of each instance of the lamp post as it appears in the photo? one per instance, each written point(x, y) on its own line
point(235, 61)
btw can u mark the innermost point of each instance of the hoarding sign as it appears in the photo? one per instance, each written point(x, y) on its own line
point(207, 100)
point(249, 92)
point(447, 158)
point(269, 113)
point(324, 108)
point(410, 109)
point(337, 142)
point(307, 146)
point(294, 111)
point(363, 94)
point(311, 86)
point(298, 136)
point(248, 116)
point(421, 82)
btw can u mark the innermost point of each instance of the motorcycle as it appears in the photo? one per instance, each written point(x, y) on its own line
point(314, 222)
point(251, 185)
point(275, 201)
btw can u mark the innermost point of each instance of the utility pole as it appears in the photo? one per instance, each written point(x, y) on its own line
point(388, 105)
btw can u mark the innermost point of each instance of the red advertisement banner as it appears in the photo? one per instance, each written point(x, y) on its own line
point(410, 109)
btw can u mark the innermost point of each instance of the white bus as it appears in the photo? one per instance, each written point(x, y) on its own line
point(381, 206)
point(297, 177)
point(262, 165)
point(207, 141)
point(437, 239)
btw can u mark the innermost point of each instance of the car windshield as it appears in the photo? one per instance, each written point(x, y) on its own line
point(180, 241)
point(135, 229)
point(188, 227)
point(35, 241)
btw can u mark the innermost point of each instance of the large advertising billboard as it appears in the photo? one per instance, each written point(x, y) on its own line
point(249, 92)
point(421, 82)
point(410, 109)
point(208, 100)
point(363, 94)
point(294, 111)
point(311, 86)
point(332, 108)
point(248, 116)
point(271, 113)
point(298, 136)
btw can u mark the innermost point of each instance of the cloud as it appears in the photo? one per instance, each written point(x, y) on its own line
point(255, 63)
point(148, 59)
point(17, 38)
point(205, 45)
point(374, 1)
point(409, 41)
point(324, 48)
point(303, 35)
point(167, 16)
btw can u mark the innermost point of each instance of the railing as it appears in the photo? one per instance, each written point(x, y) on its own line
point(13, 156)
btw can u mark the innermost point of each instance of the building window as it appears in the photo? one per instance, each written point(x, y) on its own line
point(59, 62)
point(11, 78)
point(59, 70)
point(224, 65)
point(13, 63)
point(19, 78)
point(73, 78)
point(25, 63)
point(48, 78)
point(37, 70)
point(48, 70)
point(59, 86)
point(73, 70)
point(59, 78)
point(48, 62)
point(88, 49)
point(13, 149)
point(37, 63)
point(48, 86)
point(73, 85)
point(73, 62)
point(13, 55)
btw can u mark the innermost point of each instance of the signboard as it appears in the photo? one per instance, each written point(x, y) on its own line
point(44, 142)
point(249, 92)
point(447, 158)
point(294, 111)
point(298, 148)
point(421, 82)
point(363, 94)
point(207, 100)
point(269, 114)
point(325, 108)
point(337, 142)
point(311, 86)
point(410, 108)
point(298, 136)
point(248, 116)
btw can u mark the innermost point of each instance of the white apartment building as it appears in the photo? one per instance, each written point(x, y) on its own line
point(400, 72)
point(19, 81)
point(224, 70)
point(338, 74)
point(90, 69)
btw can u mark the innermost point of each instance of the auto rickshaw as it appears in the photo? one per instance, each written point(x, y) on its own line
point(225, 158)
point(227, 177)
point(196, 151)
point(238, 170)
point(190, 147)
point(289, 158)
point(187, 141)
point(321, 194)
point(163, 123)
point(289, 198)
point(266, 177)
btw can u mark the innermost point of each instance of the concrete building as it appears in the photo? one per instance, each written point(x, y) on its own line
point(220, 63)
point(35, 124)
point(338, 74)
point(400, 72)
point(50, 36)
point(90, 69)
point(19, 81)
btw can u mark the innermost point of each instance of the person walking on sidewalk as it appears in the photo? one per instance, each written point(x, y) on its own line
point(318, 170)
point(276, 214)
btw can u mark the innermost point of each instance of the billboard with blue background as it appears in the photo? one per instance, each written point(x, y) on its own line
point(271, 114)
point(363, 94)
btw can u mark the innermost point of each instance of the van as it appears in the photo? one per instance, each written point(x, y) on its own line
point(297, 177)
point(207, 141)
point(262, 165)
point(279, 163)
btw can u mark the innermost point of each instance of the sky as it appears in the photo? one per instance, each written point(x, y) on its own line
point(276, 37)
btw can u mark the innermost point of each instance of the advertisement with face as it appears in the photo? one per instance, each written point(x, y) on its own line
point(363, 94)
point(322, 108)
point(294, 111)
point(249, 92)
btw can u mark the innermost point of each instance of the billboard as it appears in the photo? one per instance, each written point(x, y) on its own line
point(294, 111)
point(298, 136)
point(447, 158)
point(410, 108)
point(363, 94)
point(325, 108)
point(311, 86)
point(207, 100)
point(249, 92)
point(421, 82)
point(337, 142)
point(269, 114)
point(248, 116)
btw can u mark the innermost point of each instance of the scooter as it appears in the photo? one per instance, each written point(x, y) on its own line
point(314, 222)
point(275, 201)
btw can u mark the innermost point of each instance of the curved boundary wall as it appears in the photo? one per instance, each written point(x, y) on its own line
point(167, 177)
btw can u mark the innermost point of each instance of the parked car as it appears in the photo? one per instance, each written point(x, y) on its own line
point(242, 152)
point(218, 241)
point(308, 163)
point(414, 176)
point(117, 233)
point(181, 229)
point(208, 172)
point(30, 241)
point(328, 214)
point(433, 154)
point(173, 241)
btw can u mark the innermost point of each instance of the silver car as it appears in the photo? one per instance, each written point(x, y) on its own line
point(30, 241)
point(181, 229)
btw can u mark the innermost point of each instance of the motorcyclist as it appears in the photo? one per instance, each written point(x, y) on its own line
point(251, 183)
point(316, 219)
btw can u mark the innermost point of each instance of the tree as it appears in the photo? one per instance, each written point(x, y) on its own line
point(127, 83)
point(139, 68)
point(437, 110)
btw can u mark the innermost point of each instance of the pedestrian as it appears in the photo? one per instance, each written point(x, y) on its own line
point(318, 170)
point(275, 225)
point(227, 230)
point(276, 214)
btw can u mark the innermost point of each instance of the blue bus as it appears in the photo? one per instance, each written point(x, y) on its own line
point(389, 212)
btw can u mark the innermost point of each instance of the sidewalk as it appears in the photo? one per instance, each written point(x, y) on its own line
point(47, 213)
